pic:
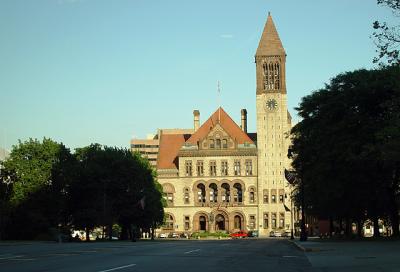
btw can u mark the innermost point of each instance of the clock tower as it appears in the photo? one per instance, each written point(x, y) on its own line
point(273, 124)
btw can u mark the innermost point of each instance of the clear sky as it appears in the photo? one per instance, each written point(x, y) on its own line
point(85, 71)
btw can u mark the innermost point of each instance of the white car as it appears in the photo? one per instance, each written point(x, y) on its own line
point(163, 235)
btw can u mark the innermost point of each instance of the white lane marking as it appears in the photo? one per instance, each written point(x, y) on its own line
point(118, 268)
point(195, 250)
point(11, 257)
point(290, 256)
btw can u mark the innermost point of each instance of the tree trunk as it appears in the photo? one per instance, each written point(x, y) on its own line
point(359, 228)
point(348, 228)
point(376, 227)
point(152, 232)
point(87, 234)
point(110, 231)
point(330, 227)
point(394, 220)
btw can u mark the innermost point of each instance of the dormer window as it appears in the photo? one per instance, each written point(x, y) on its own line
point(212, 144)
point(218, 143)
point(224, 143)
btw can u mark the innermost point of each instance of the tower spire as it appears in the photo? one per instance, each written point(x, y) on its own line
point(270, 43)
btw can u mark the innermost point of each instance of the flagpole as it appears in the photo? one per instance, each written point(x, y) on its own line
point(219, 101)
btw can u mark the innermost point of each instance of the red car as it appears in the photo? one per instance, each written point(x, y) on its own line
point(238, 234)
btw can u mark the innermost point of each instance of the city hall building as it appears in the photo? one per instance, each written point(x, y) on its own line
point(220, 177)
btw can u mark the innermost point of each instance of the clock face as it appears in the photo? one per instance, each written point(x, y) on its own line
point(272, 104)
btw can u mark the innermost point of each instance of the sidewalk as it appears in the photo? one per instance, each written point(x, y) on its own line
point(364, 255)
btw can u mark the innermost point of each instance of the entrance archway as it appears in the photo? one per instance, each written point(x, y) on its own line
point(237, 222)
point(202, 223)
point(219, 222)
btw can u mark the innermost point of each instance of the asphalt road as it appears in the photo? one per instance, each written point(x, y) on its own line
point(183, 255)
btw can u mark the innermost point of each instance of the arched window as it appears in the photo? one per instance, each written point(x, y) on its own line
point(186, 196)
point(252, 197)
point(224, 143)
point(201, 193)
point(218, 143)
point(213, 192)
point(212, 143)
point(277, 76)
point(237, 197)
point(226, 192)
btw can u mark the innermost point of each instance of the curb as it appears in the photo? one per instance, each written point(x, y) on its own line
point(304, 249)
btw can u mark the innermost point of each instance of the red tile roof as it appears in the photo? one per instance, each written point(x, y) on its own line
point(170, 144)
point(226, 122)
point(168, 150)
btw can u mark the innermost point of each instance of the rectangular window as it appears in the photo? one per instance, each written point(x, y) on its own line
point(236, 168)
point(273, 196)
point(281, 196)
point(224, 168)
point(200, 168)
point(273, 221)
point(252, 222)
point(265, 196)
point(224, 143)
point(213, 168)
point(281, 220)
point(187, 222)
point(266, 221)
point(249, 168)
point(188, 166)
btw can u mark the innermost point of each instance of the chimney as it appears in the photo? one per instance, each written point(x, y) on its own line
point(243, 125)
point(196, 119)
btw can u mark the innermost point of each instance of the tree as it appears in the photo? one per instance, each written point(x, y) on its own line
point(32, 190)
point(110, 185)
point(343, 149)
point(387, 38)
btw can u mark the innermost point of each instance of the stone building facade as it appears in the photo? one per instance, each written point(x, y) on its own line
point(219, 177)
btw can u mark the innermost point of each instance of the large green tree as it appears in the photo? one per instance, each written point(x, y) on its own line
point(111, 184)
point(343, 150)
point(33, 189)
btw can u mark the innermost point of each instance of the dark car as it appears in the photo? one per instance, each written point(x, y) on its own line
point(252, 233)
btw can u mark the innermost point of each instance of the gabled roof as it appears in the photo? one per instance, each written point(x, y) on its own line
point(225, 121)
point(270, 43)
point(168, 150)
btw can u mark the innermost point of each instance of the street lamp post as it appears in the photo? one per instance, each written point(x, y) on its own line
point(303, 234)
point(292, 218)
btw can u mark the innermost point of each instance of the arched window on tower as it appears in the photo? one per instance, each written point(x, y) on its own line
point(270, 76)
point(277, 76)
point(265, 74)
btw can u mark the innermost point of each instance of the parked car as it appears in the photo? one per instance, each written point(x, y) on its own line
point(173, 235)
point(163, 235)
point(252, 233)
point(286, 233)
point(238, 234)
point(275, 234)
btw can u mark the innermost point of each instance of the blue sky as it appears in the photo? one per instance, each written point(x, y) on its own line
point(85, 71)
